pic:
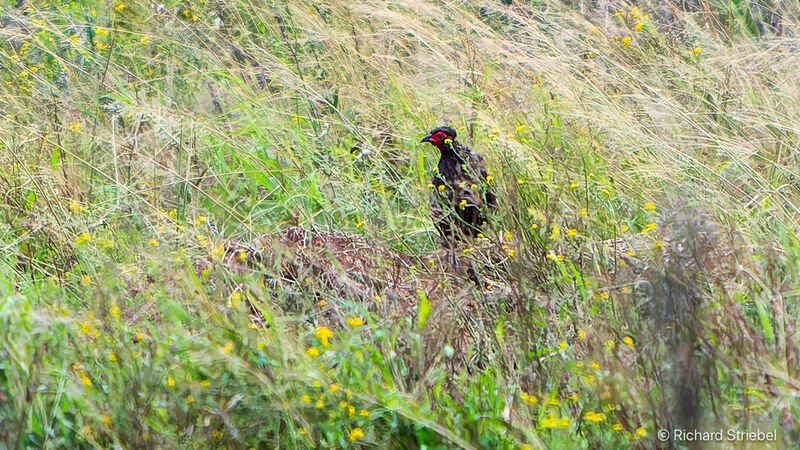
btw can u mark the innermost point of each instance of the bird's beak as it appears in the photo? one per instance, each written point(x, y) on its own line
point(425, 139)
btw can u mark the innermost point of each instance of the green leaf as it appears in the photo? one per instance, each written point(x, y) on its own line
point(55, 159)
point(31, 200)
point(424, 311)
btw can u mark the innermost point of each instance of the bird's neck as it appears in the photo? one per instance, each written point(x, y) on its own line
point(450, 150)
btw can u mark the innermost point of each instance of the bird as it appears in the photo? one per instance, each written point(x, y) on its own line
point(462, 198)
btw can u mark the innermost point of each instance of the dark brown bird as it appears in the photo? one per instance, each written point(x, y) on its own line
point(461, 198)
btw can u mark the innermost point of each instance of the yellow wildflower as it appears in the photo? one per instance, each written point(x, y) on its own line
point(628, 341)
point(356, 434)
point(85, 280)
point(112, 357)
point(355, 322)
point(218, 250)
point(594, 366)
point(617, 427)
point(489, 179)
point(227, 348)
point(107, 243)
point(595, 417)
point(312, 353)
point(626, 41)
point(562, 345)
point(641, 432)
point(572, 232)
point(106, 420)
point(83, 238)
point(581, 334)
point(639, 26)
point(441, 187)
point(360, 224)
point(305, 398)
point(574, 185)
point(650, 206)
point(696, 50)
point(377, 297)
point(115, 311)
point(322, 303)
point(320, 404)
point(323, 334)
point(462, 204)
point(555, 232)
point(554, 422)
point(170, 382)
point(583, 212)
point(120, 7)
point(623, 227)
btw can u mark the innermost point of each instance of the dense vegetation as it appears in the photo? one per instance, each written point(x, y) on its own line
point(164, 168)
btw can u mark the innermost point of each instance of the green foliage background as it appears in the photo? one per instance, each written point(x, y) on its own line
point(138, 140)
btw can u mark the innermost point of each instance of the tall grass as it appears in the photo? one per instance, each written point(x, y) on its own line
point(643, 263)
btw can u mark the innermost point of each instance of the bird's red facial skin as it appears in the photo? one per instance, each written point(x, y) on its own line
point(438, 137)
point(438, 140)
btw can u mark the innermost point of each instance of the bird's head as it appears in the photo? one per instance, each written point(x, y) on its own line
point(441, 138)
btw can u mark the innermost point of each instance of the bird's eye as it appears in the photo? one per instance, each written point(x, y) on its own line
point(439, 136)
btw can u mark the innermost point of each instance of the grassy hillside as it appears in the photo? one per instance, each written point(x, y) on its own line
point(216, 233)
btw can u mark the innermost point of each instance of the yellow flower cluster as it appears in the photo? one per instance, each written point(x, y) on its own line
point(595, 417)
point(356, 434)
point(528, 398)
point(355, 322)
point(554, 422)
point(323, 334)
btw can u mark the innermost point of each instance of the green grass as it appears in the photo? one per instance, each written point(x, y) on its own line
point(140, 144)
